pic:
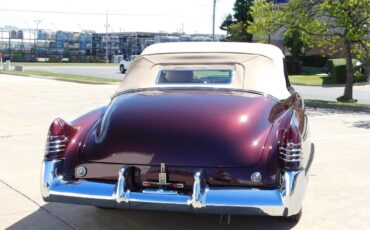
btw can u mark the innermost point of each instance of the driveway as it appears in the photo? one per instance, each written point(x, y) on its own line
point(337, 195)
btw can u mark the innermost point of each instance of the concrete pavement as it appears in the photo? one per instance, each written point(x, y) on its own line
point(337, 195)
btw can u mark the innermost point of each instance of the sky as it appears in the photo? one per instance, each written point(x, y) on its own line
point(193, 16)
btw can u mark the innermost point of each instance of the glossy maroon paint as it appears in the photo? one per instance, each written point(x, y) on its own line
point(81, 126)
point(228, 134)
point(183, 128)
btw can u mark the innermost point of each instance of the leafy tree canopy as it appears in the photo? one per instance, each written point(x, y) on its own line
point(236, 24)
point(320, 23)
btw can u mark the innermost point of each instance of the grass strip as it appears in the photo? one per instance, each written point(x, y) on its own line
point(352, 107)
point(61, 64)
point(313, 101)
point(64, 77)
point(307, 80)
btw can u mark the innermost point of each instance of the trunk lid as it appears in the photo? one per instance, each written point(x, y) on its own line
point(196, 128)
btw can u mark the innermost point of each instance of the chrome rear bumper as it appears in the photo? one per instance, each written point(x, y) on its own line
point(284, 201)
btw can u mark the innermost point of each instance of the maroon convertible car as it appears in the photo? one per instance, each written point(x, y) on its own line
point(198, 127)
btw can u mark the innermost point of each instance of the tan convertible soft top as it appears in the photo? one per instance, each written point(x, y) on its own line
point(255, 66)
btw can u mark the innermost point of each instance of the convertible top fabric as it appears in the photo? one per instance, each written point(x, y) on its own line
point(252, 71)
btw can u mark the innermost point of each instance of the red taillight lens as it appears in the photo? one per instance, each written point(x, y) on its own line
point(290, 150)
point(56, 128)
point(56, 141)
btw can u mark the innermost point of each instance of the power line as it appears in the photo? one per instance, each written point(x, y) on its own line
point(100, 14)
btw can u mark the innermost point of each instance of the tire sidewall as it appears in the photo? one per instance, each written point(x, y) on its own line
point(122, 69)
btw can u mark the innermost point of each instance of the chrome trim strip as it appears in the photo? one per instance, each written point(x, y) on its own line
point(55, 146)
point(56, 142)
point(290, 150)
point(57, 137)
point(293, 144)
point(291, 160)
point(285, 200)
point(160, 191)
point(291, 155)
point(54, 151)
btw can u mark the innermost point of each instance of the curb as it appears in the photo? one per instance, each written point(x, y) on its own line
point(348, 108)
point(333, 85)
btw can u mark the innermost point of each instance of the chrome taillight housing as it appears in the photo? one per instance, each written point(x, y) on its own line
point(290, 149)
point(57, 139)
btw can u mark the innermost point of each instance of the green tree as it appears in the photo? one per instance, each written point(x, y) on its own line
point(266, 20)
point(236, 25)
point(322, 23)
point(294, 43)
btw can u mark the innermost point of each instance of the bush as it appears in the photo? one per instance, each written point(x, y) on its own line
point(338, 73)
point(293, 66)
point(358, 76)
point(314, 60)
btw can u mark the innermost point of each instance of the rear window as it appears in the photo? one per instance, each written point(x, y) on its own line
point(208, 76)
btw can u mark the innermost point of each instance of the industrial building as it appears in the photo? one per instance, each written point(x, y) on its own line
point(56, 46)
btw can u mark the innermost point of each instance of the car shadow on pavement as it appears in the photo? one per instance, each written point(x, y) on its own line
point(64, 216)
point(361, 124)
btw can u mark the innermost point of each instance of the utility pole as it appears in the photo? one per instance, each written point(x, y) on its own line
point(53, 25)
point(1, 54)
point(10, 31)
point(214, 18)
point(106, 41)
point(36, 35)
point(79, 25)
point(2, 37)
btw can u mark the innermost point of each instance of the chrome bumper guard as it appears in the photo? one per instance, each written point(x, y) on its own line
point(284, 201)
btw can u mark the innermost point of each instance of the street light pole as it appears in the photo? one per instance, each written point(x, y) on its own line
point(106, 41)
point(213, 21)
point(79, 25)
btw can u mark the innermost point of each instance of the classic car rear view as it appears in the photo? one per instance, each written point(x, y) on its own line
point(193, 127)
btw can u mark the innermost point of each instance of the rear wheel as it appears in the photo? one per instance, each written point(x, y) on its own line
point(294, 218)
point(122, 69)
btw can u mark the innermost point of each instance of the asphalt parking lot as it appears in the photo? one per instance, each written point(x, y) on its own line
point(337, 195)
